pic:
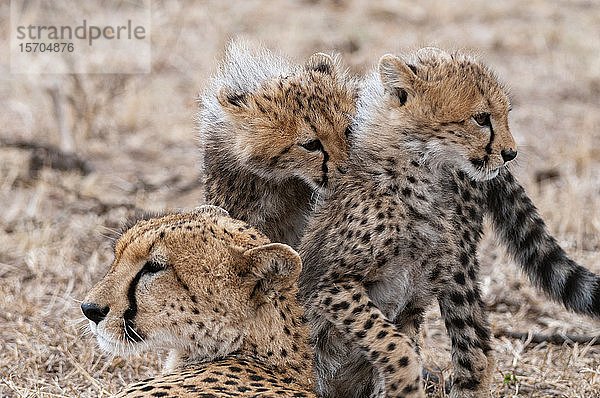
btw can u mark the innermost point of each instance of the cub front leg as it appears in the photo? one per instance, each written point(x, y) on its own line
point(466, 323)
point(346, 304)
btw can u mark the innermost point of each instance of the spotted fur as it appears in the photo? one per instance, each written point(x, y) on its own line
point(230, 377)
point(274, 137)
point(388, 232)
point(217, 294)
point(514, 216)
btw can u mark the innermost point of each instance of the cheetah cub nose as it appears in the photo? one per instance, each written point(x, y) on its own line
point(93, 312)
point(508, 154)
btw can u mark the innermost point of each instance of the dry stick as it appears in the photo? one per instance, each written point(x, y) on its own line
point(434, 380)
point(86, 374)
point(101, 206)
point(190, 186)
point(170, 183)
point(555, 338)
point(46, 154)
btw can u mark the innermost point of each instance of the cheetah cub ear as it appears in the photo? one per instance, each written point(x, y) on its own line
point(321, 62)
point(211, 209)
point(232, 100)
point(398, 78)
point(273, 267)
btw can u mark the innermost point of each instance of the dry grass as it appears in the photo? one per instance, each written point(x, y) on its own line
point(136, 132)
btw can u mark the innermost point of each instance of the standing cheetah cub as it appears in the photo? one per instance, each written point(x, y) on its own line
point(274, 137)
point(281, 207)
point(215, 292)
point(384, 244)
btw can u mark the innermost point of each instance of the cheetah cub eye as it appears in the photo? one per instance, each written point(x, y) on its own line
point(482, 119)
point(312, 145)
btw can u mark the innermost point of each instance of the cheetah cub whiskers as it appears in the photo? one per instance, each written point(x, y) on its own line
point(218, 295)
point(384, 244)
point(274, 136)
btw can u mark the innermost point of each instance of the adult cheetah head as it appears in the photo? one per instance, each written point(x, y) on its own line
point(188, 282)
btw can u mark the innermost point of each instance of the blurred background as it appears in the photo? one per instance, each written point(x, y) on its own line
point(80, 152)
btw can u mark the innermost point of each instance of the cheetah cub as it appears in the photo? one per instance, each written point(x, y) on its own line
point(283, 206)
point(215, 292)
point(384, 244)
point(274, 137)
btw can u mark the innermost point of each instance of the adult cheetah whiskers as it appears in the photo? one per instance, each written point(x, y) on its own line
point(110, 237)
point(126, 337)
point(127, 341)
point(136, 333)
point(81, 323)
point(112, 233)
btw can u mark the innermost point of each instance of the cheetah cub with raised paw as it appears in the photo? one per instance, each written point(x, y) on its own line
point(215, 292)
point(274, 137)
point(384, 245)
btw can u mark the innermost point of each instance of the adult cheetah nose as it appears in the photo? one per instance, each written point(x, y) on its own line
point(508, 154)
point(93, 312)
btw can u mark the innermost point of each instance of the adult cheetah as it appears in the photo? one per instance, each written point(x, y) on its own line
point(218, 295)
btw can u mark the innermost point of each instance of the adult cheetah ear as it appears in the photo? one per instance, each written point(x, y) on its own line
point(397, 77)
point(232, 100)
point(211, 209)
point(272, 267)
point(321, 62)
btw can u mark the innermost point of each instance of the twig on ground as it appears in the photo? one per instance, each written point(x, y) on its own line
point(190, 186)
point(172, 183)
point(48, 155)
point(142, 185)
point(86, 374)
point(434, 380)
point(100, 207)
point(555, 338)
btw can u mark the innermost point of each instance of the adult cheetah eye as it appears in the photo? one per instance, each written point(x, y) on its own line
point(152, 267)
point(482, 119)
point(312, 145)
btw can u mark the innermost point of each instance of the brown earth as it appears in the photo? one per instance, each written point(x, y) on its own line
point(136, 134)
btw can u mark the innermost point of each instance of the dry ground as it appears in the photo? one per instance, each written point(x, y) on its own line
point(136, 133)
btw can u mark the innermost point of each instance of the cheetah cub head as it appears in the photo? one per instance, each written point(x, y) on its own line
point(193, 283)
point(295, 125)
point(454, 106)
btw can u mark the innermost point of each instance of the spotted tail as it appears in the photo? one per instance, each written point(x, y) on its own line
point(520, 227)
